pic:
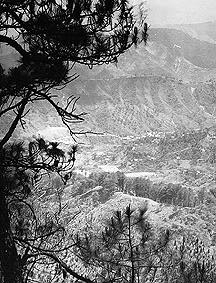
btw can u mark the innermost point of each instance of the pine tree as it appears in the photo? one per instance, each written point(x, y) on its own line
point(49, 37)
point(126, 250)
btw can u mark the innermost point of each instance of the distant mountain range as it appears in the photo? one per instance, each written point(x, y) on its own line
point(167, 85)
point(133, 105)
point(185, 43)
point(202, 31)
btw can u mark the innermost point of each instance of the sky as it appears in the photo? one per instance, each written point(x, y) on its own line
point(163, 12)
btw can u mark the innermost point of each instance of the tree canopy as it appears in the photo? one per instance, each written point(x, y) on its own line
point(48, 38)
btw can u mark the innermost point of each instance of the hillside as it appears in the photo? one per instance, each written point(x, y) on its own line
point(198, 52)
point(153, 87)
point(202, 31)
point(131, 106)
point(155, 112)
point(167, 85)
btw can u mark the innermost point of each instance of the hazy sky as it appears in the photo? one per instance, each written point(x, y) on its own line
point(181, 11)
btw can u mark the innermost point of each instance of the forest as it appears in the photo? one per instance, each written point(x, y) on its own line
point(126, 202)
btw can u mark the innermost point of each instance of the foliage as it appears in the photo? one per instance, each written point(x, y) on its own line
point(127, 250)
point(49, 37)
point(190, 261)
point(110, 182)
point(22, 169)
point(173, 194)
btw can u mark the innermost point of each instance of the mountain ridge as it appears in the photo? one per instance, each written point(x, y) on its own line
point(153, 87)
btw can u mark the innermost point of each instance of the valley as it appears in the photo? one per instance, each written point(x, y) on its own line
point(156, 115)
point(151, 118)
point(148, 139)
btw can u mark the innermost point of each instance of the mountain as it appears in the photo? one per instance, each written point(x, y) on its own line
point(166, 85)
point(200, 53)
point(181, 221)
point(202, 31)
point(168, 52)
point(128, 106)
point(156, 112)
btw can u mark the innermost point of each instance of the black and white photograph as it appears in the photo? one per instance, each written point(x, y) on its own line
point(107, 141)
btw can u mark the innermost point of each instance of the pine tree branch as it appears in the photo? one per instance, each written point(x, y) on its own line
point(67, 268)
point(11, 108)
point(14, 44)
point(15, 122)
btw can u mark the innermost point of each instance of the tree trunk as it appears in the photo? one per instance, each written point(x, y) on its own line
point(10, 269)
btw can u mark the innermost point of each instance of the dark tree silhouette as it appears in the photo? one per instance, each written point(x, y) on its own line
point(49, 37)
point(24, 233)
point(189, 260)
point(125, 251)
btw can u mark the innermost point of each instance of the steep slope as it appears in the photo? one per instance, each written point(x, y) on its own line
point(197, 221)
point(199, 53)
point(161, 56)
point(160, 86)
point(128, 106)
point(202, 31)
